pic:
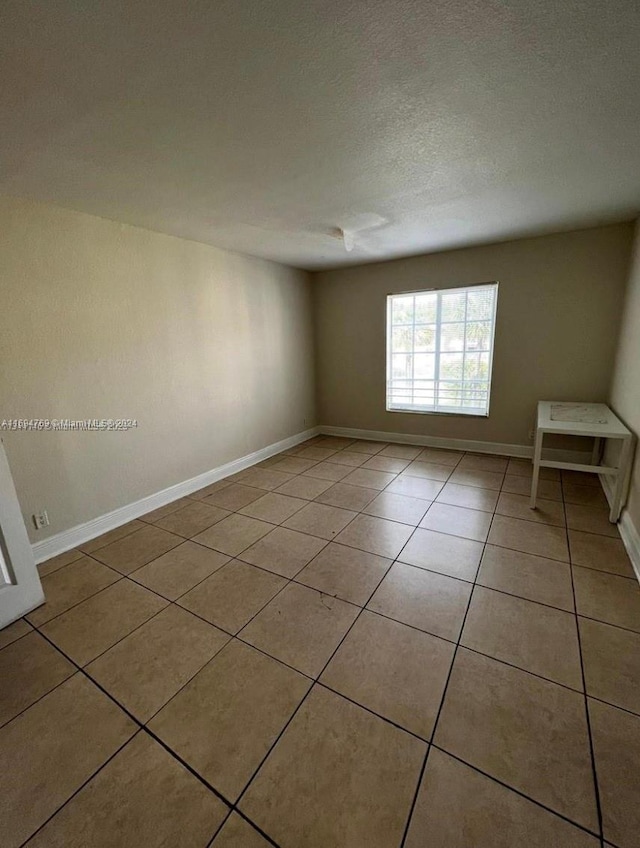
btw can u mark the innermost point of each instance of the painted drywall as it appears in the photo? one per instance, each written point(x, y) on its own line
point(211, 352)
point(559, 308)
point(625, 389)
point(257, 125)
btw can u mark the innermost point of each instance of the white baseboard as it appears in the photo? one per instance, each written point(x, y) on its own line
point(628, 531)
point(68, 539)
point(522, 451)
point(631, 539)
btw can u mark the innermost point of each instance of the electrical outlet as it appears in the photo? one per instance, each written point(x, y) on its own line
point(41, 519)
point(530, 435)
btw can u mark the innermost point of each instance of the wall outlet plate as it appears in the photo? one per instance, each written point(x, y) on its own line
point(41, 519)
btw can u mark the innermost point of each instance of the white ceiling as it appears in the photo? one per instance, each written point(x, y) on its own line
point(258, 125)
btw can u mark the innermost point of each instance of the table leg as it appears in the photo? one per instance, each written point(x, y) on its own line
point(621, 479)
point(537, 454)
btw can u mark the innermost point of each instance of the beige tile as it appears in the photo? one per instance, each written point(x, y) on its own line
point(585, 495)
point(316, 453)
point(517, 485)
point(74, 725)
point(293, 464)
point(541, 639)
point(535, 578)
point(431, 602)
point(376, 535)
point(430, 470)
point(179, 570)
point(333, 442)
point(457, 521)
point(137, 549)
point(580, 478)
point(386, 463)
point(398, 508)
point(234, 534)
point(328, 471)
point(440, 456)
point(14, 631)
point(369, 479)
point(234, 496)
point(524, 468)
point(272, 461)
point(401, 451)
point(607, 597)
point(616, 748)
point(212, 489)
point(470, 497)
point(337, 442)
point(484, 462)
point(365, 446)
point(59, 561)
point(611, 659)
point(320, 520)
point(283, 551)
point(225, 720)
point(150, 665)
point(529, 537)
point(524, 731)
point(238, 833)
point(274, 507)
point(192, 519)
point(457, 807)
point(143, 797)
point(396, 671)
point(165, 510)
point(96, 624)
point(480, 479)
point(517, 506)
point(338, 776)
point(305, 486)
point(351, 458)
point(345, 572)
point(29, 668)
point(591, 520)
point(266, 478)
point(111, 536)
point(347, 497)
point(446, 554)
point(232, 595)
point(301, 627)
point(599, 552)
point(415, 487)
point(69, 586)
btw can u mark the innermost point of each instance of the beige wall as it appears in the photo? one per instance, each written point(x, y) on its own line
point(559, 307)
point(625, 390)
point(211, 351)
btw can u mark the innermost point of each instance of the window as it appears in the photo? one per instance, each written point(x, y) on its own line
point(440, 350)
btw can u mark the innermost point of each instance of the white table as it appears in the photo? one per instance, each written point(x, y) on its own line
point(584, 419)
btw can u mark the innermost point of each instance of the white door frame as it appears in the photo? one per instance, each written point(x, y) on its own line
point(20, 587)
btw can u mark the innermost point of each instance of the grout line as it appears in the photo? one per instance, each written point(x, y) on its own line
point(594, 773)
point(513, 789)
point(315, 681)
point(80, 788)
point(442, 699)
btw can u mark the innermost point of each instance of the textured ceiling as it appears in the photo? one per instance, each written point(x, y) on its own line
point(260, 125)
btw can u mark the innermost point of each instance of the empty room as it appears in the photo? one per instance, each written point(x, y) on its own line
point(319, 408)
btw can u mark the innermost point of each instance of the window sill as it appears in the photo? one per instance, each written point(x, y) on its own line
point(410, 411)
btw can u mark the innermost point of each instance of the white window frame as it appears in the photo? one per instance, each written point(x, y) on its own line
point(436, 408)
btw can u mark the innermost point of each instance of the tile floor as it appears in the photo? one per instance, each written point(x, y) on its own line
point(352, 644)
